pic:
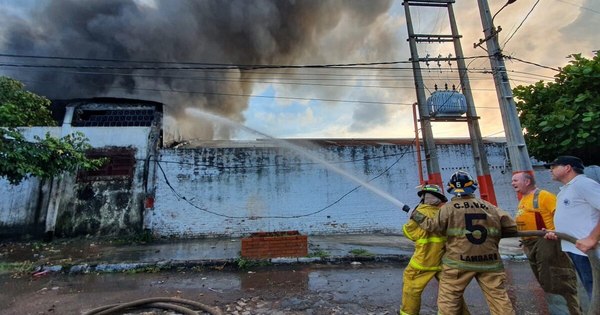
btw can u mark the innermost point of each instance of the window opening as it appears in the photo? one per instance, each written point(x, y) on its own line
point(119, 165)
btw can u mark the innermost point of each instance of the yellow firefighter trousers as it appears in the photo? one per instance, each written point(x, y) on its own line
point(453, 283)
point(414, 282)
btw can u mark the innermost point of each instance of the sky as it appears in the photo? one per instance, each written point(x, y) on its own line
point(196, 54)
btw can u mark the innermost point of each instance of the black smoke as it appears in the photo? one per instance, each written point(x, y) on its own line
point(141, 34)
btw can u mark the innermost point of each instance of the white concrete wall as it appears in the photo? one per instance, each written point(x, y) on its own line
point(236, 191)
point(243, 189)
point(100, 137)
point(23, 207)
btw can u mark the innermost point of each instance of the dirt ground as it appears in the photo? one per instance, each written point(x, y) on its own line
point(365, 288)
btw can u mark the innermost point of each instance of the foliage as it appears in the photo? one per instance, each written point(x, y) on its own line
point(43, 157)
point(361, 252)
point(319, 253)
point(17, 269)
point(245, 264)
point(561, 117)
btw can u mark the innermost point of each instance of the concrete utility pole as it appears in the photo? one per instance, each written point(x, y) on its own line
point(517, 150)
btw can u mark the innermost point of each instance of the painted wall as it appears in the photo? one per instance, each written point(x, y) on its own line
point(234, 191)
point(68, 208)
point(101, 208)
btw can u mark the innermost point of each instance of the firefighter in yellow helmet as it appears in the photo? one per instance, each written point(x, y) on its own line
point(425, 262)
point(473, 228)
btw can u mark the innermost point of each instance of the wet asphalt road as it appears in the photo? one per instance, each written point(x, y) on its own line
point(368, 288)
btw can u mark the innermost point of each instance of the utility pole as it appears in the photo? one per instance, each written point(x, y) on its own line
point(486, 187)
point(431, 159)
point(517, 150)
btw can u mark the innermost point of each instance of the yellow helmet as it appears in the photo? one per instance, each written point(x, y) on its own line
point(432, 189)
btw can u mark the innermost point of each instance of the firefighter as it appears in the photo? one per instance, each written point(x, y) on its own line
point(425, 262)
point(473, 228)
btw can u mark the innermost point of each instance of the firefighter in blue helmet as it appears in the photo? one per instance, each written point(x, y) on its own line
point(425, 262)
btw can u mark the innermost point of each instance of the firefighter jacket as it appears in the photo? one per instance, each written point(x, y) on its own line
point(429, 246)
point(473, 228)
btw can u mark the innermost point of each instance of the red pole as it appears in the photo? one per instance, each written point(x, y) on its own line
point(486, 188)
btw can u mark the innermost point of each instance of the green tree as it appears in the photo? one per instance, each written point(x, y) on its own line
point(563, 117)
point(43, 157)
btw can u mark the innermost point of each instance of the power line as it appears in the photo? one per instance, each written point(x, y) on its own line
point(293, 81)
point(267, 96)
point(273, 97)
point(275, 76)
point(139, 68)
point(494, 133)
point(276, 81)
point(530, 63)
point(210, 66)
point(521, 24)
point(265, 67)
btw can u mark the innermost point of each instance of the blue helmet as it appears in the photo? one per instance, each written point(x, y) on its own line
point(461, 183)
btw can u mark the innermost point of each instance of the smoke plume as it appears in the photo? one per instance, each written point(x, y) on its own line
point(237, 32)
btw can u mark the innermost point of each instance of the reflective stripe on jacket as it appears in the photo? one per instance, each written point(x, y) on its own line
point(429, 247)
point(473, 228)
point(536, 211)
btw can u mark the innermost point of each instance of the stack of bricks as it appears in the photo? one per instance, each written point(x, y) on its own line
point(263, 245)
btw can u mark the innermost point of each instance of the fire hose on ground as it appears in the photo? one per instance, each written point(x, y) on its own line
point(594, 308)
point(165, 303)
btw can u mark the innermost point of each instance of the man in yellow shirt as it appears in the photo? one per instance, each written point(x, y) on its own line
point(426, 261)
point(551, 266)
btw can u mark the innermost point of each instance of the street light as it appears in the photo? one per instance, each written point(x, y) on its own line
point(504, 6)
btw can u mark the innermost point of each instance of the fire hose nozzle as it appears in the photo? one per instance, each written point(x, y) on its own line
point(405, 208)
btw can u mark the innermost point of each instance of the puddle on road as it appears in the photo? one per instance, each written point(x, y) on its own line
point(298, 289)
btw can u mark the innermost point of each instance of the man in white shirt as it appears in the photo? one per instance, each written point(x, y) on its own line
point(577, 214)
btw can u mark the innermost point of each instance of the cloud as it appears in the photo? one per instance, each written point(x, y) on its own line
point(332, 102)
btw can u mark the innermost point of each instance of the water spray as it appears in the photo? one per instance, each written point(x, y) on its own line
point(305, 153)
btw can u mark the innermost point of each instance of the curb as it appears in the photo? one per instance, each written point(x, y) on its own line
point(219, 264)
point(84, 268)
